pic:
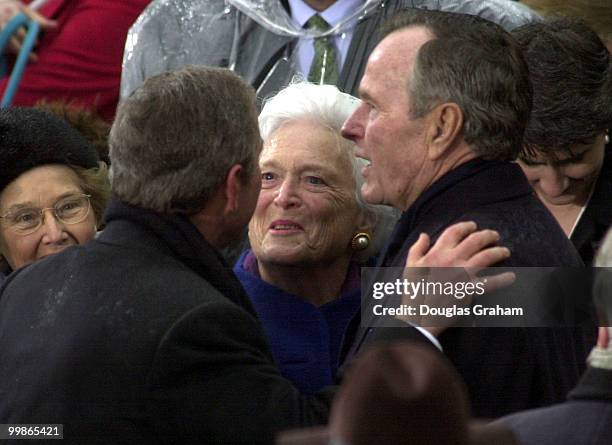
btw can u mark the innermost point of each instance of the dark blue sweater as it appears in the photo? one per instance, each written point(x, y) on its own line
point(305, 339)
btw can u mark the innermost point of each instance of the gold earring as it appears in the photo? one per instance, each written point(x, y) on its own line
point(360, 241)
point(607, 137)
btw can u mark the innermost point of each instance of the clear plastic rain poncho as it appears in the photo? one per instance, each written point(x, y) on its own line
point(255, 37)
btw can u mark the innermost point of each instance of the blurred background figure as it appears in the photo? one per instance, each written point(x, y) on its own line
point(311, 232)
point(267, 42)
point(586, 418)
point(87, 122)
point(565, 156)
point(597, 14)
point(78, 55)
point(53, 189)
point(401, 393)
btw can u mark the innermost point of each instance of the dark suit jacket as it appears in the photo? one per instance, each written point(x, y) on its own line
point(585, 419)
point(142, 336)
point(505, 369)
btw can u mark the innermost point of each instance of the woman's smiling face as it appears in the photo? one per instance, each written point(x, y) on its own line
point(42, 188)
point(307, 211)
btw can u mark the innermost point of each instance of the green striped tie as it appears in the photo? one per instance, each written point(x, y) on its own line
point(324, 68)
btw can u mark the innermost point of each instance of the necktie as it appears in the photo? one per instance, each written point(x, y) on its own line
point(324, 68)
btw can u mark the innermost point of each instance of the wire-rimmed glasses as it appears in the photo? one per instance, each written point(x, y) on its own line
point(71, 209)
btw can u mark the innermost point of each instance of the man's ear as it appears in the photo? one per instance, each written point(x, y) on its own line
point(232, 188)
point(366, 222)
point(444, 124)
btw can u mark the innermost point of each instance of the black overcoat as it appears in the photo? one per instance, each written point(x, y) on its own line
point(142, 336)
point(505, 369)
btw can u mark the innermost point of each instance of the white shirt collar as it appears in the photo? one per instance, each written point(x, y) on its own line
point(301, 12)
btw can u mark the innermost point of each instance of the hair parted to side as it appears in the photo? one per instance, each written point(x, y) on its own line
point(571, 73)
point(176, 137)
point(477, 65)
point(329, 107)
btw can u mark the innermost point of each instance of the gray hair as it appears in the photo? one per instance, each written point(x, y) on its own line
point(477, 65)
point(326, 105)
point(175, 138)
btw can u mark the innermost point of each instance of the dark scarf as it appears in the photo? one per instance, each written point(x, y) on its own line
point(186, 243)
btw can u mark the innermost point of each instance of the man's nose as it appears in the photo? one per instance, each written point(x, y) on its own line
point(353, 128)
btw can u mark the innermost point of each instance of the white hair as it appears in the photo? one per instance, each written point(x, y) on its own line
point(326, 105)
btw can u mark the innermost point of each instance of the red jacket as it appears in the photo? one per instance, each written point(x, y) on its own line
point(80, 60)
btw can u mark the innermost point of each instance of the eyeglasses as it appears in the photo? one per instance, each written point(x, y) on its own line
point(71, 209)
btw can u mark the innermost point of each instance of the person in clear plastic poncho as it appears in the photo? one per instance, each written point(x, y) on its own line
point(257, 38)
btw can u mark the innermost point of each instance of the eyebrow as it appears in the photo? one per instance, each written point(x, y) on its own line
point(364, 95)
point(319, 168)
point(30, 204)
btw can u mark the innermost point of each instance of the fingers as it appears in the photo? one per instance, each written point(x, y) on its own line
point(44, 22)
point(16, 42)
point(460, 245)
point(8, 10)
point(494, 282)
point(454, 234)
point(418, 250)
point(14, 45)
point(475, 242)
point(488, 257)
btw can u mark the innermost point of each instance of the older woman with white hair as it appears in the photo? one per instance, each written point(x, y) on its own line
point(310, 233)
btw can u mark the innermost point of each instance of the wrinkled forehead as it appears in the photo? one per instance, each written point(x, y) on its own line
point(399, 48)
point(40, 186)
point(307, 143)
point(393, 58)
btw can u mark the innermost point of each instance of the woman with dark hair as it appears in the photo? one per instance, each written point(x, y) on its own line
point(53, 189)
point(565, 156)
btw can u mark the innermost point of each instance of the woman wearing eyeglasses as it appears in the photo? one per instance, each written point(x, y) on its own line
point(53, 189)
